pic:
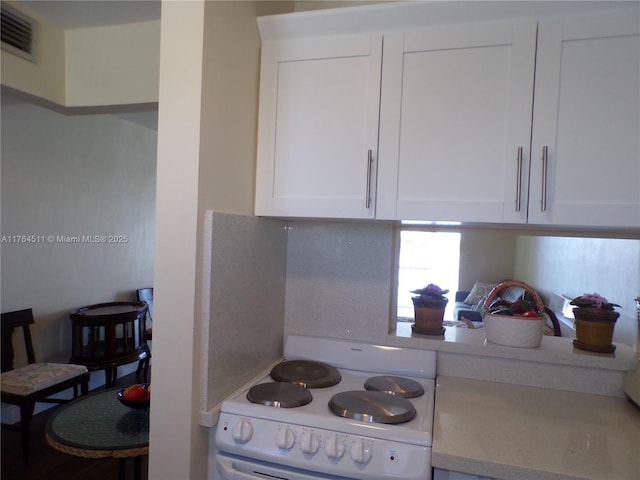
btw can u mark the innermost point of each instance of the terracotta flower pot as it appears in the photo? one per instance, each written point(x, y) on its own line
point(429, 315)
point(594, 329)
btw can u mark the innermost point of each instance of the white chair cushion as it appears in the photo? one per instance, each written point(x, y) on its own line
point(37, 376)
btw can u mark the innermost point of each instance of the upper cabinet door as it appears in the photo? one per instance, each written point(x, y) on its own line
point(456, 123)
point(318, 127)
point(586, 130)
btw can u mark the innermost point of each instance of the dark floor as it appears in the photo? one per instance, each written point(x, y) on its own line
point(47, 463)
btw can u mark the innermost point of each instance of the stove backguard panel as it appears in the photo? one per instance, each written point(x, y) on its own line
point(243, 308)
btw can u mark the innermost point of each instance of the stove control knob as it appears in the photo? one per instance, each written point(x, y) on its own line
point(285, 438)
point(309, 443)
point(361, 452)
point(242, 431)
point(334, 448)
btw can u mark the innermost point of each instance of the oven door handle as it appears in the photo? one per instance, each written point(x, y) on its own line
point(251, 470)
point(225, 467)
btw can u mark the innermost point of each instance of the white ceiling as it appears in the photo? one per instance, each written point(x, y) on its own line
point(83, 13)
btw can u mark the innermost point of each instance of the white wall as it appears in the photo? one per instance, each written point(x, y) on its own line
point(486, 256)
point(231, 69)
point(71, 176)
point(573, 266)
point(177, 447)
point(112, 65)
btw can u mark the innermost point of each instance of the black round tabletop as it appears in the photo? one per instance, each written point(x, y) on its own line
point(98, 425)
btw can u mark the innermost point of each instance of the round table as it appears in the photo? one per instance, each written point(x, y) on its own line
point(106, 335)
point(99, 426)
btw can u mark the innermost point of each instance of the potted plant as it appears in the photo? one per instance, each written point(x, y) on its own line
point(595, 320)
point(429, 304)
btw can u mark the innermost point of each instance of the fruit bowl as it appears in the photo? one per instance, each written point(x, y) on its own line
point(136, 396)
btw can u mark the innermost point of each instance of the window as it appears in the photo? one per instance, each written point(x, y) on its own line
point(426, 257)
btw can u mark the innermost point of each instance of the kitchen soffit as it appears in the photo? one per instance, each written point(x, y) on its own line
point(85, 14)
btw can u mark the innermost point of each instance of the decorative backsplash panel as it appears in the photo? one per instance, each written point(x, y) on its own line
point(338, 280)
point(243, 315)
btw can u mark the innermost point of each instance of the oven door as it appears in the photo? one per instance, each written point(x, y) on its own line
point(229, 467)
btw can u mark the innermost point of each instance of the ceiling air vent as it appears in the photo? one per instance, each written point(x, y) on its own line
point(17, 32)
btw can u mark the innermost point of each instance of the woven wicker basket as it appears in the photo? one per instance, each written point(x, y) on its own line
point(514, 331)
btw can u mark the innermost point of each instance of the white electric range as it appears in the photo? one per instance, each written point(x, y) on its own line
point(327, 412)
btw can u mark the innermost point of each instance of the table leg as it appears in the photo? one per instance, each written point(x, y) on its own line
point(111, 376)
point(137, 466)
point(122, 469)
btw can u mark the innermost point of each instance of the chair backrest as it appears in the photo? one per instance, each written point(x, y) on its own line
point(554, 321)
point(11, 320)
point(146, 295)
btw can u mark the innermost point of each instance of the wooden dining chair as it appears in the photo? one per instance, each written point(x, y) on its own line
point(35, 382)
point(146, 295)
point(554, 328)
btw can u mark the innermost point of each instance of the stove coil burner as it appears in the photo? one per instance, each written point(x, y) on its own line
point(279, 394)
point(307, 373)
point(405, 387)
point(373, 407)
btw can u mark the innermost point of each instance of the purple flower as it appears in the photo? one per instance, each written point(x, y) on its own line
point(431, 291)
point(593, 300)
point(597, 300)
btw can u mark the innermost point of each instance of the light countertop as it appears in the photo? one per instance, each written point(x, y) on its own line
point(520, 432)
point(553, 350)
point(556, 363)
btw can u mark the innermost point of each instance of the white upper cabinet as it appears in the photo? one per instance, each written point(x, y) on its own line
point(318, 127)
point(456, 123)
point(587, 122)
point(512, 112)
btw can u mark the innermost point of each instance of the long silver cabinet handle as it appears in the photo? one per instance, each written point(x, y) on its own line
point(519, 179)
point(545, 161)
point(367, 202)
